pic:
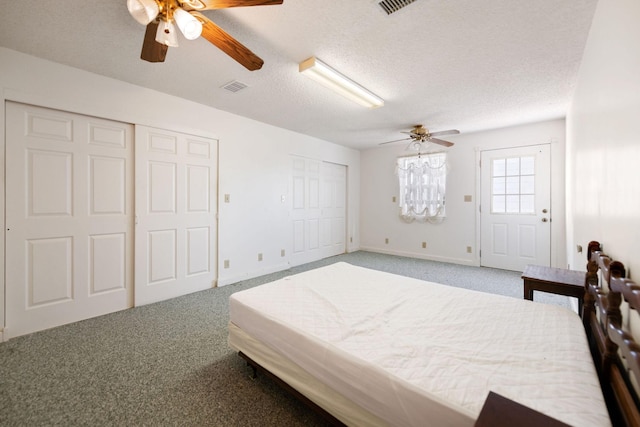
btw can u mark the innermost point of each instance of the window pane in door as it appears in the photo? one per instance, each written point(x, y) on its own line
point(499, 185)
point(526, 185)
point(513, 204)
point(513, 185)
point(498, 204)
point(513, 166)
point(498, 167)
point(527, 165)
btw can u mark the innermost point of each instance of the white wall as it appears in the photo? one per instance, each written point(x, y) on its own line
point(603, 139)
point(448, 241)
point(254, 164)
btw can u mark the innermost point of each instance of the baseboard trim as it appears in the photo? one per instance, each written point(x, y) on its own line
point(461, 261)
point(224, 281)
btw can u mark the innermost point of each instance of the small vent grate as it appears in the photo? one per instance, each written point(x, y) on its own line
point(234, 86)
point(390, 6)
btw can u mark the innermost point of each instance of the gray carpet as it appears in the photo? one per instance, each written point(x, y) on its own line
point(169, 364)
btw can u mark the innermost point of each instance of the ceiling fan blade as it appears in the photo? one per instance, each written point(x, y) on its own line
point(221, 39)
point(397, 140)
point(440, 142)
point(153, 51)
point(223, 4)
point(445, 132)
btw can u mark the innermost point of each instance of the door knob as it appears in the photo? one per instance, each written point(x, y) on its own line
point(544, 220)
point(544, 211)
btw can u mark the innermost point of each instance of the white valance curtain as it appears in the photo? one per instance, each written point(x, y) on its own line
point(422, 181)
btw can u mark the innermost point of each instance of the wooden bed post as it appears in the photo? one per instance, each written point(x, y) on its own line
point(629, 350)
point(614, 316)
point(591, 278)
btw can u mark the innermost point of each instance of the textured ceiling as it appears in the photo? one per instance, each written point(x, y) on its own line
point(460, 64)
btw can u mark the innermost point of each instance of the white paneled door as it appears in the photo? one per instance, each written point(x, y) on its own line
point(318, 209)
point(69, 218)
point(333, 213)
point(515, 211)
point(176, 225)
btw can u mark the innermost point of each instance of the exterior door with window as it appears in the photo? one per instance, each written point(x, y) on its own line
point(515, 219)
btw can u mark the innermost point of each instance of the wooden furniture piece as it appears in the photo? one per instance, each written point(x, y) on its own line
point(554, 280)
point(498, 411)
point(615, 351)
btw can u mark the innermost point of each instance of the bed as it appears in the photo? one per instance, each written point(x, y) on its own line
point(373, 348)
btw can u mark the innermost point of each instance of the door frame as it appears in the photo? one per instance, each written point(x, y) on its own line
point(558, 200)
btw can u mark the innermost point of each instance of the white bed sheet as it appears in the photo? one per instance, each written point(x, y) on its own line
point(418, 353)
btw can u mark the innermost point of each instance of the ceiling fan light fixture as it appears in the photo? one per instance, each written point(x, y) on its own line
point(194, 4)
point(191, 28)
point(143, 11)
point(332, 79)
point(166, 34)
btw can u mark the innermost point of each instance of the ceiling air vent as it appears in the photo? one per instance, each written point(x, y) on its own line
point(234, 86)
point(390, 6)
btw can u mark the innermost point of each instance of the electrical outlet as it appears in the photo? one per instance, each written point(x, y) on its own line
point(393, 199)
point(227, 198)
point(424, 245)
point(226, 263)
point(469, 249)
point(579, 249)
point(259, 257)
point(386, 240)
point(281, 252)
point(467, 198)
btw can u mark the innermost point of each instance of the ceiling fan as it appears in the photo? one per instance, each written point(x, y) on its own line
point(160, 16)
point(420, 134)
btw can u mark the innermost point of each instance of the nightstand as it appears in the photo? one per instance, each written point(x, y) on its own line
point(554, 280)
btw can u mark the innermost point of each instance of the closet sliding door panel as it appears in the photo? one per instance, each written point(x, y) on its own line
point(176, 225)
point(69, 218)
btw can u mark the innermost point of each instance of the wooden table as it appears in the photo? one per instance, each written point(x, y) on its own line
point(554, 280)
point(498, 411)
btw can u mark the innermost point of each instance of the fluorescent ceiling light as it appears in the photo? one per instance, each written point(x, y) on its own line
point(327, 76)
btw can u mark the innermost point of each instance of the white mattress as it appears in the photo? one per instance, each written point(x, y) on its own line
point(418, 353)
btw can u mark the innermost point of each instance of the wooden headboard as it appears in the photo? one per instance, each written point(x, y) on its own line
point(615, 352)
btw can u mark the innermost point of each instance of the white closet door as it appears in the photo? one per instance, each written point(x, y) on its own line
point(318, 209)
point(305, 210)
point(69, 217)
point(333, 231)
point(176, 225)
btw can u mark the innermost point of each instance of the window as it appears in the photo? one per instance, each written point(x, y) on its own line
point(512, 185)
point(422, 182)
